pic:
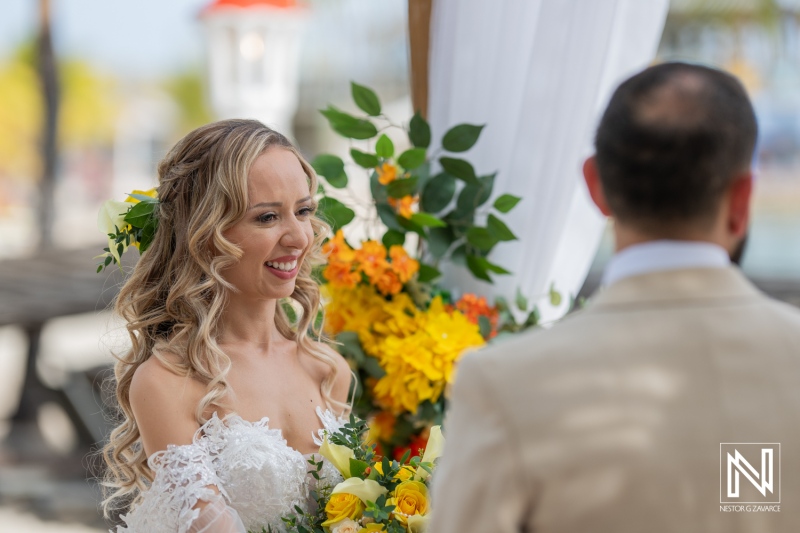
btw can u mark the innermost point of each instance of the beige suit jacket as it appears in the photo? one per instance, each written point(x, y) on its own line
point(612, 420)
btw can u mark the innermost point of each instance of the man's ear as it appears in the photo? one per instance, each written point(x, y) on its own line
point(739, 195)
point(592, 178)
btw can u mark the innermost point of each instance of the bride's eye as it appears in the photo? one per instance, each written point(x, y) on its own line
point(266, 217)
point(307, 211)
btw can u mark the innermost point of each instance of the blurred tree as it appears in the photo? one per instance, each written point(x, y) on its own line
point(87, 118)
point(188, 89)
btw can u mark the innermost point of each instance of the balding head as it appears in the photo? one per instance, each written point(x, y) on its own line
point(671, 141)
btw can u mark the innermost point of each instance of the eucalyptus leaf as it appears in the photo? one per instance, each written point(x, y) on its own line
point(428, 220)
point(412, 158)
point(348, 125)
point(388, 216)
point(364, 159)
point(393, 237)
point(384, 147)
point(438, 193)
point(331, 167)
point(335, 213)
point(419, 132)
point(461, 138)
point(366, 99)
point(427, 273)
point(499, 230)
point(439, 241)
point(402, 187)
point(481, 238)
point(506, 202)
point(459, 168)
point(140, 213)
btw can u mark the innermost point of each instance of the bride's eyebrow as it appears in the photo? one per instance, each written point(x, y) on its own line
point(277, 204)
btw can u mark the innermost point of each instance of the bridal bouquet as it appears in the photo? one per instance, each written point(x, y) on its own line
point(400, 330)
point(377, 494)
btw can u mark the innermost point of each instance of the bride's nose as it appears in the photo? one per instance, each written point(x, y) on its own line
point(294, 234)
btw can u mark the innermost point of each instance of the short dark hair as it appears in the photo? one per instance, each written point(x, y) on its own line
point(671, 140)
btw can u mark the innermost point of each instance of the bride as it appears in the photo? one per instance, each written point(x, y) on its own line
point(222, 399)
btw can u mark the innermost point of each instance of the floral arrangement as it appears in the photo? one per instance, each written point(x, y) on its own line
point(129, 223)
point(377, 494)
point(402, 333)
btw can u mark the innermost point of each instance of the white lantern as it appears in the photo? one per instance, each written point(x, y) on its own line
point(253, 56)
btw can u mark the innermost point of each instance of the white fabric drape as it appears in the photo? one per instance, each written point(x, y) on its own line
point(538, 73)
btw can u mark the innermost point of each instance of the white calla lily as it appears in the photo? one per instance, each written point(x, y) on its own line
point(418, 523)
point(367, 490)
point(432, 451)
point(111, 216)
point(338, 455)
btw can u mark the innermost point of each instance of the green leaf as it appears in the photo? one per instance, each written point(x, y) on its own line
point(412, 158)
point(348, 125)
point(459, 168)
point(461, 138)
point(388, 217)
point(499, 230)
point(477, 268)
point(335, 213)
point(485, 326)
point(351, 346)
point(139, 214)
point(427, 273)
point(506, 202)
point(373, 368)
point(366, 99)
point(289, 311)
point(474, 196)
point(439, 241)
point(410, 225)
point(481, 239)
point(393, 237)
point(419, 132)
point(427, 220)
point(331, 167)
point(402, 187)
point(521, 301)
point(378, 190)
point(555, 296)
point(364, 159)
point(438, 192)
point(357, 467)
point(147, 234)
point(384, 147)
point(491, 267)
point(459, 255)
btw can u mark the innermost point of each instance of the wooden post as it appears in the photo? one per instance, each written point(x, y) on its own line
point(48, 78)
point(419, 26)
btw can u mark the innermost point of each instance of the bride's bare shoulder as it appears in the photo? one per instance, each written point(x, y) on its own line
point(164, 403)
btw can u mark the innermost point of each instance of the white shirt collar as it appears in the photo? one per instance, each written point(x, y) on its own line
point(656, 256)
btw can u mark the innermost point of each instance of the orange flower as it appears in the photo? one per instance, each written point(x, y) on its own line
point(340, 274)
point(417, 446)
point(372, 258)
point(474, 307)
point(337, 249)
point(387, 173)
point(387, 283)
point(404, 205)
point(403, 266)
point(381, 427)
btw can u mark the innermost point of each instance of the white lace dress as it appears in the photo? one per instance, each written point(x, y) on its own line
point(257, 476)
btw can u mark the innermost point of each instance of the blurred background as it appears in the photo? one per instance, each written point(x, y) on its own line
point(92, 94)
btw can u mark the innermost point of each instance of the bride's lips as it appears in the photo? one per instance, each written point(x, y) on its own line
point(283, 274)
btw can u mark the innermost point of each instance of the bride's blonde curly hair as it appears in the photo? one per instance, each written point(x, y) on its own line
point(173, 299)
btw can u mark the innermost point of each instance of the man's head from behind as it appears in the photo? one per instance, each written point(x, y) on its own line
point(673, 155)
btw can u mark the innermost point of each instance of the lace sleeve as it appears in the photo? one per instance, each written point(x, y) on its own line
point(184, 476)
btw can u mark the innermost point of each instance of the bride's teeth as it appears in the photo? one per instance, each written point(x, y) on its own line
point(286, 267)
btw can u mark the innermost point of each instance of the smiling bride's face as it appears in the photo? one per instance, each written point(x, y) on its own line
point(275, 234)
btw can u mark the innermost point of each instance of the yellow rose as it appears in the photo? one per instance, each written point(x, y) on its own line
point(367, 490)
point(338, 455)
point(341, 506)
point(404, 474)
point(432, 451)
point(374, 527)
point(410, 498)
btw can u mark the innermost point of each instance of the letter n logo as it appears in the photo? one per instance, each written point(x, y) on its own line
point(749, 472)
